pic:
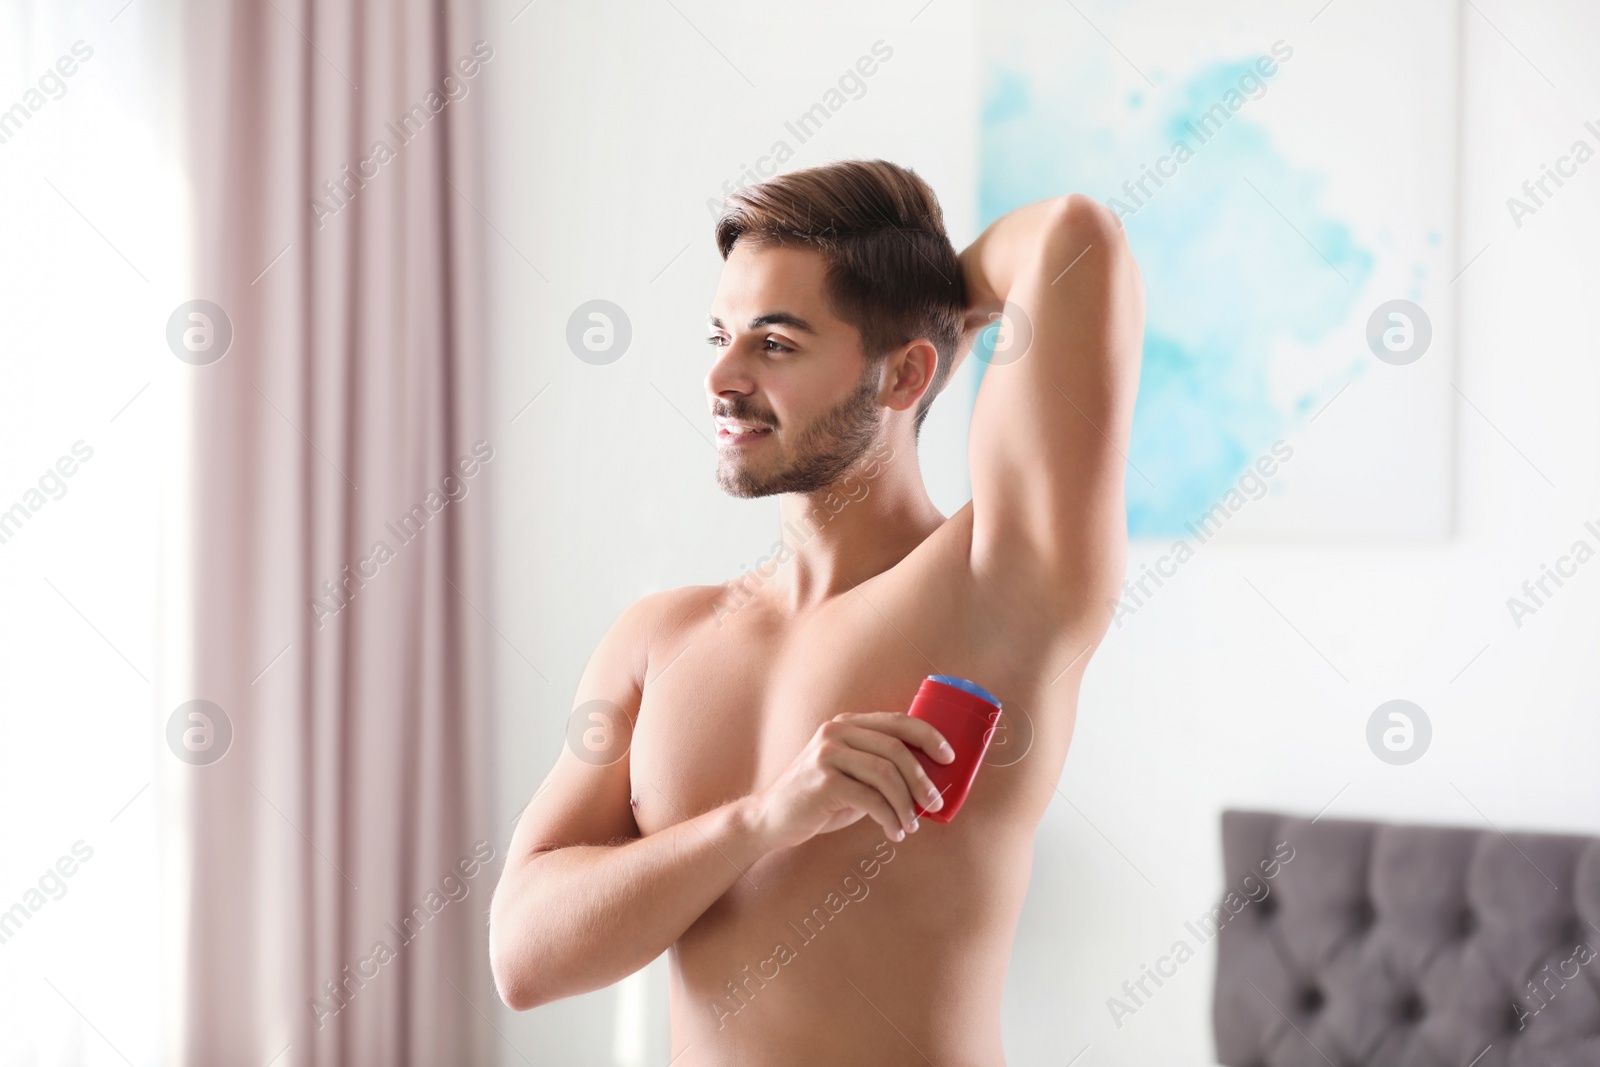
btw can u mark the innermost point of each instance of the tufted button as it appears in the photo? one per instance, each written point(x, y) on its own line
point(1267, 908)
point(1363, 914)
point(1410, 1008)
point(1311, 1000)
point(1467, 922)
point(1575, 931)
point(1514, 1023)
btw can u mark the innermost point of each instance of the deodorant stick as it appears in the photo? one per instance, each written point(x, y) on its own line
point(967, 715)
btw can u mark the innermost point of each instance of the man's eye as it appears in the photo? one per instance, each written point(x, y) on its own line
point(718, 341)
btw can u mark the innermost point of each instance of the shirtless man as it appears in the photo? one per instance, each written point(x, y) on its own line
point(743, 793)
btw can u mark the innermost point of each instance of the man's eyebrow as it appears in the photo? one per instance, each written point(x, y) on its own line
point(771, 318)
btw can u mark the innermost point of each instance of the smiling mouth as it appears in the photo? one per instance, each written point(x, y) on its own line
point(739, 433)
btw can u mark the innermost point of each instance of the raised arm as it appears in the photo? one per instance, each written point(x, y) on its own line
point(1050, 428)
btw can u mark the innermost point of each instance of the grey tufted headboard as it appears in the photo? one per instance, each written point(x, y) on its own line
point(1376, 945)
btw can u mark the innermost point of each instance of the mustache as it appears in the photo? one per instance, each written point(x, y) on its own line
point(743, 411)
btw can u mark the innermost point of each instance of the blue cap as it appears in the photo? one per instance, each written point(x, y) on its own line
point(965, 686)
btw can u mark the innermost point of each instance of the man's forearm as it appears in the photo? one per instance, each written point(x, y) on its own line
point(991, 262)
point(574, 919)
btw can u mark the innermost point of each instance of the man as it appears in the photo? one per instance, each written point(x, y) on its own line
point(751, 808)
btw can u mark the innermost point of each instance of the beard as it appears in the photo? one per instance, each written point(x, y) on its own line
point(822, 452)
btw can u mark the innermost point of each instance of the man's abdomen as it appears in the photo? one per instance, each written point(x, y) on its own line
point(853, 949)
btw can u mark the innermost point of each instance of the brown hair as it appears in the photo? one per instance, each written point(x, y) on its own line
point(891, 270)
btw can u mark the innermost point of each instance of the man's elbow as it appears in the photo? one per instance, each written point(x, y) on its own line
point(1088, 219)
point(1088, 246)
point(1083, 229)
point(514, 956)
point(517, 997)
point(513, 975)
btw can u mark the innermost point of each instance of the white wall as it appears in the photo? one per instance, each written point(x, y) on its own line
point(611, 125)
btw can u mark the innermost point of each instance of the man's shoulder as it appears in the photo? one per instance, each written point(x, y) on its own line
point(672, 609)
point(650, 624)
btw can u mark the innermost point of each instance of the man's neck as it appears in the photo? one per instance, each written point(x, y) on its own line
point(861, 526)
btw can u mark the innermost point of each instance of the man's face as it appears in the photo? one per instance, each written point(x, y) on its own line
point(795, 401)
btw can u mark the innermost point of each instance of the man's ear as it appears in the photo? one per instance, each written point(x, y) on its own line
point(908, 372)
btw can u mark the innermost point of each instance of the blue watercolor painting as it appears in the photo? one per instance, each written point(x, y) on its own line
point(1241, 261)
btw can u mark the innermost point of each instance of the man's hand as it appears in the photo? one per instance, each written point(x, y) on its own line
point(984, 305)
point(854, 765)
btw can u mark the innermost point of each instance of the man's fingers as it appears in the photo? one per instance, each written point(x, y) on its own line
point(911, 730)
point(867, 799)
point(881, 774)
point(895, 751)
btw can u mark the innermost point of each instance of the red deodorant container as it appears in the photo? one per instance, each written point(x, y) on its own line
point(967, 715)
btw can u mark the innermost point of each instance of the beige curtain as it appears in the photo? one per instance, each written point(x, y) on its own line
point(339, 856)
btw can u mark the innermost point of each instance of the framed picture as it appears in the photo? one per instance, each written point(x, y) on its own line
point(1288, 182)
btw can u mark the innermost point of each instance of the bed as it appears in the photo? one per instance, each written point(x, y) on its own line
point(1380, 945)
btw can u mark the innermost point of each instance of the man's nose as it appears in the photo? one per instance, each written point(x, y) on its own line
point(729, 376)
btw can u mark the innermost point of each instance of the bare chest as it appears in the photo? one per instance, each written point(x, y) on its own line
point(741, 699)
point(745, 692)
